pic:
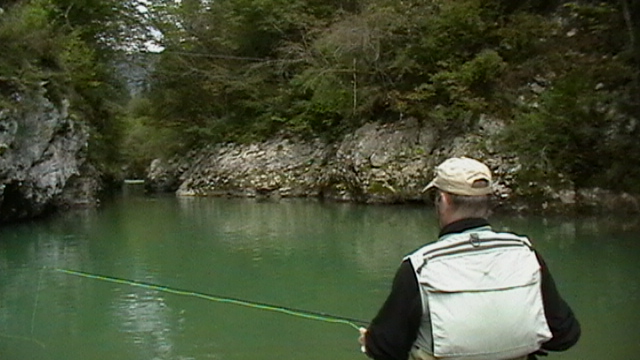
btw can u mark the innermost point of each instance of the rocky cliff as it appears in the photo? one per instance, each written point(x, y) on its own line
point(378, 163)
point(43, 155)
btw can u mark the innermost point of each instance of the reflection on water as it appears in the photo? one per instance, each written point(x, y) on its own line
point(327, 257)
point(368, 235)
point(143, 316)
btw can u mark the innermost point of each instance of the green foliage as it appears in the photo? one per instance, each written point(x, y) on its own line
point(141, 142)
point(459, 29)
point(579, 133)
point(592, 17)
point(79, 60)
point(218, 79)
point(524, 36)
point(243, 70)
point(319, 68)
point(469, 84)
point(28, 47)
point(329, 99)
point(61, 45)
point(479, 72)
point(569, 133)
point(598, 27)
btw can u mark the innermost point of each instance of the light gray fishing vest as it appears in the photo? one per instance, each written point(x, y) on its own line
point(481, 296)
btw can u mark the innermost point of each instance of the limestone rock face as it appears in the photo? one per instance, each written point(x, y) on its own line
point(378, 163)
point(275, 168)
point(382, 163)
point(42, 159)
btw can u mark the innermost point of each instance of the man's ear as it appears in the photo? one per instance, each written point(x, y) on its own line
point(444, 198)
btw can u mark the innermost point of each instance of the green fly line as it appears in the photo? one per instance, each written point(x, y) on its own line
point(354, 323)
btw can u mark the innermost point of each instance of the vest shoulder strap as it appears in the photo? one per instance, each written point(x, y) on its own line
point(469, 241)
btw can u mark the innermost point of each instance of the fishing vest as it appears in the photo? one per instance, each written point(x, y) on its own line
point(481, 296)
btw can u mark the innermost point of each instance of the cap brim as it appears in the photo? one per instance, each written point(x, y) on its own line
point(430, 186)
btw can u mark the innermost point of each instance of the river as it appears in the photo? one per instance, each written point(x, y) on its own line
point(337, 259)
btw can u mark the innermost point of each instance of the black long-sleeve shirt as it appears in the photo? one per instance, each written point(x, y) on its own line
point(394, 329)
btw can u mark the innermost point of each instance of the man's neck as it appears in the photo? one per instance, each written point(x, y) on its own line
point(461, 225)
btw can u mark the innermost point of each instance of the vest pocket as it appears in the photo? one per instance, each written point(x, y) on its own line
point(485, 304)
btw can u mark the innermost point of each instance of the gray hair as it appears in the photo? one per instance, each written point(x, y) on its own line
point(471, 206)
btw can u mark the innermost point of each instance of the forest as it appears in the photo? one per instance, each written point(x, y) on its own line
point(160, 78)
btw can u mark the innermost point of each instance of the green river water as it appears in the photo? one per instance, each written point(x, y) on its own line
point(333, 258)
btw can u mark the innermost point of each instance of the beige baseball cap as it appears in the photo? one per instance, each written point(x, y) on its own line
point(460, 176)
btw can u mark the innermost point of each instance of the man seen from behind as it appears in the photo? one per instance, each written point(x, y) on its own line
point(474, 294)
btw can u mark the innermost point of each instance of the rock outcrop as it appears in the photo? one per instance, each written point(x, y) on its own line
point(42, 158)
point(277, 168)
point(378, 163)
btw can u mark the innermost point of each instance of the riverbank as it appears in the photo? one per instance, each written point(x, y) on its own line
point(377, 164)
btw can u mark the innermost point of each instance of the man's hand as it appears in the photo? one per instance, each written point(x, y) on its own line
point(361, 340)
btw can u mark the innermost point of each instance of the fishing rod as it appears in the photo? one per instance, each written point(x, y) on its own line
point(307, 314)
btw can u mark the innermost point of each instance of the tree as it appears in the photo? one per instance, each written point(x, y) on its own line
point(245, 69)
point(223, 69)
point(631, 13)
point(71, 46)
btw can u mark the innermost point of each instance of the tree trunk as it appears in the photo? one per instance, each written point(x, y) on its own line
point(631, 13)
